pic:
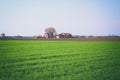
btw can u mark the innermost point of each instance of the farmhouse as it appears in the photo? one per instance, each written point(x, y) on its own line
point(60, 36)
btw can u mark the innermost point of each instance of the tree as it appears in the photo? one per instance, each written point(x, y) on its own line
point(68, 35)
point(50, 32)
point(3, 35)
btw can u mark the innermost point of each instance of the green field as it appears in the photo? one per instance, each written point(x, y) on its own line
point(59, 60)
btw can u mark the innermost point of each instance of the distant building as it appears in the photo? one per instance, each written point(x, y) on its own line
point(38, 36)
point(60, 36)
point(46, 35)
point(64, 35)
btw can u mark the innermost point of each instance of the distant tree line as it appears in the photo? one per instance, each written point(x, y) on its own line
point(50, 32)
point(91, 36)
point(3, 36)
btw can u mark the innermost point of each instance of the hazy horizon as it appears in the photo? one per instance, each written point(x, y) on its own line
point(78, 17)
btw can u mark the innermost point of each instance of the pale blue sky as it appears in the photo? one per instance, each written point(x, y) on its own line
point(79, 17)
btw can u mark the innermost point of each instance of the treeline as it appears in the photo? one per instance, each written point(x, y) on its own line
point(17, 37)
point(91, 36)
point(42, 37)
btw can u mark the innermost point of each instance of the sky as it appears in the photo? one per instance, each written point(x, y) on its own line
point(78, 17)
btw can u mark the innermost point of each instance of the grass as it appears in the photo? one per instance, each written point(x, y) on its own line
point(59, 60)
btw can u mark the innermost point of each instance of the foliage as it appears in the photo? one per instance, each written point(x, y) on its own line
point(68, 35)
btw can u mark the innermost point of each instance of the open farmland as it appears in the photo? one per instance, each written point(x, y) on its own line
point(59, 60)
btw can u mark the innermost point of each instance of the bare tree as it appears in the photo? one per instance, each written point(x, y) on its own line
point(50, 32)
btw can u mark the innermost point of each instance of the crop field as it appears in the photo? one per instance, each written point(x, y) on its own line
point(59, 60)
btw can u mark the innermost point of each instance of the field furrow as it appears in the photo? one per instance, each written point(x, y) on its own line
point(59, 60)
